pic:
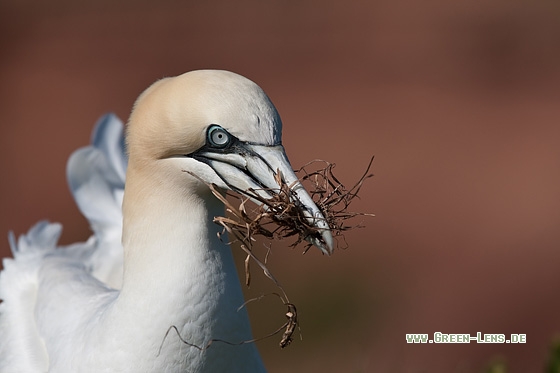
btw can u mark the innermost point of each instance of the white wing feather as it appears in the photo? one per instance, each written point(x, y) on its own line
point(96, 177)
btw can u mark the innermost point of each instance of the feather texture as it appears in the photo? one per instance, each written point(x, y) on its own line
point(96, 176)
point(154, 261)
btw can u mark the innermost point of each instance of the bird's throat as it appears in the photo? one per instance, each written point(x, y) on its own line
point(177, 272)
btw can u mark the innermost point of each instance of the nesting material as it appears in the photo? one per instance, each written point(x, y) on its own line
point(279, 218)
point(333, 199)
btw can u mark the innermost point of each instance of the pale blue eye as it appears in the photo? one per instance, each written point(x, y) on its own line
point(218, 137)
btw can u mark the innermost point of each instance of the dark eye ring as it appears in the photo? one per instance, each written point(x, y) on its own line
point(218, 137)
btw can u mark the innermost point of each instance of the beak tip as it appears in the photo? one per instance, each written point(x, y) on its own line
point(326, 245)
point(323, 242)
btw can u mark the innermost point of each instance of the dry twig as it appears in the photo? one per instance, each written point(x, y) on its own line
point(279, 217)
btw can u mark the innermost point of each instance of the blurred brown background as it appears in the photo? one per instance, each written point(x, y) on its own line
point(458, 101)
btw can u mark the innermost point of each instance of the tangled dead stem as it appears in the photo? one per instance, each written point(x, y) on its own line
point(279, 217)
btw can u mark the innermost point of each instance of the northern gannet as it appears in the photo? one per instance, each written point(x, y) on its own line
point(88, 307)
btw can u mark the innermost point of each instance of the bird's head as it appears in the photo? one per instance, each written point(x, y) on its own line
point(222, 128)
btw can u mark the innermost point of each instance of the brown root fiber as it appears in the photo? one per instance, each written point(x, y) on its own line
point(280, 217)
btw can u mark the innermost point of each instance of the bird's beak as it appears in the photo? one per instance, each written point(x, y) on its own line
point(248, 167)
